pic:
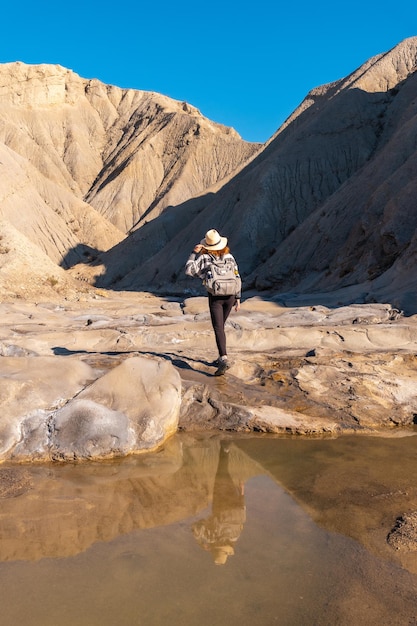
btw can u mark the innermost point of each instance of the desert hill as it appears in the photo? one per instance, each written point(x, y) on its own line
point(121, 183)
point(83, 163)
point(328, 204)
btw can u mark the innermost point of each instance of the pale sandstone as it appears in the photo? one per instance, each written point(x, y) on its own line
point(83, 163)
point(327, 206)
point(296, 213)
point(141, 367)
point(64, 409)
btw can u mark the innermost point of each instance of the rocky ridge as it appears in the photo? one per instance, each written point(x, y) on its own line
point(326, 206)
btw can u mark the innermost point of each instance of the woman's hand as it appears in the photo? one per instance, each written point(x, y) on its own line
point(237, 305)
point(197, 248)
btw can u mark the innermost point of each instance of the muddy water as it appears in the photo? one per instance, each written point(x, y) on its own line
point(248, 530)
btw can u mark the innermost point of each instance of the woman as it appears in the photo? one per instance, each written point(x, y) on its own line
point(214, 247)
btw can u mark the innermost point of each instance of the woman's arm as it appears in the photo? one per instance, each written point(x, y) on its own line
point(196, 265)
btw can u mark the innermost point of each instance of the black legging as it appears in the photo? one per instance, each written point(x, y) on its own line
point(220, 307)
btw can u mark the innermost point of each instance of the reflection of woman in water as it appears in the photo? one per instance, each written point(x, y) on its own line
point(219, 532)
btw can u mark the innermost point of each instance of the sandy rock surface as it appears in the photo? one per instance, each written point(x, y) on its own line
point(119, 372)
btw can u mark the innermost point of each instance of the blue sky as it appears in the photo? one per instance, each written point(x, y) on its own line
point(246, 66)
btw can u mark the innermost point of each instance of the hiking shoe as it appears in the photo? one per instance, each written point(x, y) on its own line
point(223, 366)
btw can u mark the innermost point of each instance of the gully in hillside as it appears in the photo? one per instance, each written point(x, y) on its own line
point(212, 262)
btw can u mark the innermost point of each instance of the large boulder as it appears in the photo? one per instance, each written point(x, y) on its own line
point(63, 409)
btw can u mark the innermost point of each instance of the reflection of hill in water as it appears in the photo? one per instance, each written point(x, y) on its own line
point(355, 486)
point(69, 508)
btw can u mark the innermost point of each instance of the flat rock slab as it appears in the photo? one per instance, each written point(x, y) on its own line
point(119, 374)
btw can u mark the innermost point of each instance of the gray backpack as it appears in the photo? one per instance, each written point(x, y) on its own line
point(222, 277)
